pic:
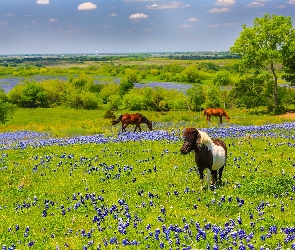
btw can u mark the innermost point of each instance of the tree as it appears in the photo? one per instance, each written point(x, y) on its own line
point(261, 45)
point(197, 96)
point(6, 108)
point(289, 59)
point(252, 91)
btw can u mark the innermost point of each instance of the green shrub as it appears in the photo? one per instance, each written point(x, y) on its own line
point(109, 114)
point(29, 95)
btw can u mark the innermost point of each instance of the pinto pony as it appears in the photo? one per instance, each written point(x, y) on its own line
point(136, 119)
point(215, 112)
point(210, 154)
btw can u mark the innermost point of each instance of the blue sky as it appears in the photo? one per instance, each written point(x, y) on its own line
point(115, 26)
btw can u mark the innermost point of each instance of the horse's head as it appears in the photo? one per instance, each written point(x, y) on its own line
point(150, 125)
point(147, 122)
point(191, 139)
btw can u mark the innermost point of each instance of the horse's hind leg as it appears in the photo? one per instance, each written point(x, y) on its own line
point(201, 177)
point(220, 119)
point(220, 174)
point(214, 176)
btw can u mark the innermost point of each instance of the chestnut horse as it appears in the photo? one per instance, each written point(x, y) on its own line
point(136, 119)
point(216, 112)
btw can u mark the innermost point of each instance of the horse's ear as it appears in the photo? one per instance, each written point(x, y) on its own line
point(197, 136)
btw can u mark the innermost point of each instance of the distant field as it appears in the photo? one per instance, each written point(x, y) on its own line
point(66, 122)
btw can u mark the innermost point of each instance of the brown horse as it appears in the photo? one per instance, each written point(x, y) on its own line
point(136, 119)
point(216, 112)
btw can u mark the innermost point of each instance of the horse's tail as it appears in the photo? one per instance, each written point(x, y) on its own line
point(205, 110)
point(114, 122)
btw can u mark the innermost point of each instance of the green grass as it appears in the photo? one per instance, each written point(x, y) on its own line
point(62, 122)
point(149, 176)
point(25, 177)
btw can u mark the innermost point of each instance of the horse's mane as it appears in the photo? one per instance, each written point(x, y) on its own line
point(144, 119)
point(204, 138)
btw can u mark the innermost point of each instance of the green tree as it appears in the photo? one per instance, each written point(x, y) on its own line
point(222, 78)
point(289, 59)
point(29, 95)
point(192, 74)
point(125, 86)
point(6, 108)
point(197, 96)
point(252, 91)
point(213, 98)
point(261, 45)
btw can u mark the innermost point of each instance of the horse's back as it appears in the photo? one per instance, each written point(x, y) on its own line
point(131, 118)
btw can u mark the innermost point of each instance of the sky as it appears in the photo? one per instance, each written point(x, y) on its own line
point(128, 26)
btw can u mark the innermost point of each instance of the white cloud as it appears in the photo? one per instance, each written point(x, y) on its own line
point(140, 0)
point(255, 4)
point(216, 25)
point(112, 15)
point(225, 2)
point(192, 19)
point(185, 26)
point(87, 6)
point(42, 2)
point(281, 6)
point(10, 14)
point(3, 23)
point(216, 10)
point(231, 24)
point(53, 20)
point(172, 5)
point(291, 2)
point(138, 16)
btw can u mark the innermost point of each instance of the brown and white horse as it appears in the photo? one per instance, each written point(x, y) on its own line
point(209, 154)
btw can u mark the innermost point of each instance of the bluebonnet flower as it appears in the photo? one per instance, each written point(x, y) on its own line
point(31, 243)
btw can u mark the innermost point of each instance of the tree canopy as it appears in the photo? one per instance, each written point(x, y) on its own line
point(261, 46)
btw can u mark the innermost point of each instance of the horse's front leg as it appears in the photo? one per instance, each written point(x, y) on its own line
point(201, 177)
point(137, 126)
point(124, 126)
point(220, 119)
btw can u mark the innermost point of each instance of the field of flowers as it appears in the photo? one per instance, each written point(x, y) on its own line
point(135, 191)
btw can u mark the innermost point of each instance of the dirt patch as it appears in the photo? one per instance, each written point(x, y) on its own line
point(288, 115)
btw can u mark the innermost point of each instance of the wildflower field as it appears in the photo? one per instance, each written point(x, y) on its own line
point(135, 190)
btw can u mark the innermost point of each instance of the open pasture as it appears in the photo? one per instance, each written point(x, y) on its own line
point(135, 191)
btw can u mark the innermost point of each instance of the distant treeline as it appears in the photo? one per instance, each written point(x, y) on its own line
point(19, 59)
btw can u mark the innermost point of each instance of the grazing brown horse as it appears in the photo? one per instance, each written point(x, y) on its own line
point(136, 119)
point(216, 112)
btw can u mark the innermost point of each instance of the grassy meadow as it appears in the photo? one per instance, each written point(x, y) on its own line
point(78, 183)
point(70, 180)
